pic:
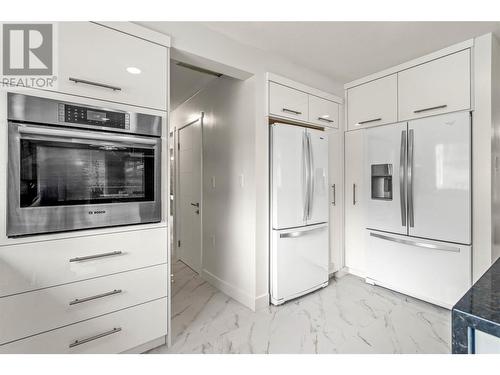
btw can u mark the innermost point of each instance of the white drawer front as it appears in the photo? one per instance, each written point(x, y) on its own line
point(38, 265)
point(436, 87)
point(436, 272)
point(287, 102)
point(101, 55)
point(373, 103)
point(112, 333)
point(323, 112)
point(31, 313)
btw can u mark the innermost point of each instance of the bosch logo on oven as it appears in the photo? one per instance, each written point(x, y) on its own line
point(97, 212)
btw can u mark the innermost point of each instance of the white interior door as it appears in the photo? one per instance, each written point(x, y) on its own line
point(288, 176)
point(189, 195)
point(385, 175)
point(441, 178)
point(319, 169)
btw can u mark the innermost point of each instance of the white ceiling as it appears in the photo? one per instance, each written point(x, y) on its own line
point(346, 51)
point(184, 83)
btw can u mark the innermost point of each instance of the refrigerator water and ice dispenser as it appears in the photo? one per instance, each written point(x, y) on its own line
point(381, 184)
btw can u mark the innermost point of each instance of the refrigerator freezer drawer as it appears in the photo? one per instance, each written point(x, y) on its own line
point(299, 261)
point(436, 272)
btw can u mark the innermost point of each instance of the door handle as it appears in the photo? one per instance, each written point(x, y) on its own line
point(354, 194)
point(416, 243)
point(334, 195)
point(300, 233)
point(402, 174)
point(195, 204)
point(91, 83)
point(292, 111)
point(411, 148)
point(430, 108)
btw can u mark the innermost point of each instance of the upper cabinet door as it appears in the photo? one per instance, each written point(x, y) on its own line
point(373, 103)
point(287, 102)
point(323, 112)
point(93, 62)
point(436, 87)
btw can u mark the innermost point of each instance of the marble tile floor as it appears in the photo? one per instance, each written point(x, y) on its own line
point(348, 316)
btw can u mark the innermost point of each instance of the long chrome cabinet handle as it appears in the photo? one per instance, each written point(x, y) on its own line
point(311, 175)
point(334, 191)
point(402, 173)
point(325, 119)
point(103, 85)
point(416, 243)
point(368, 121)
point(411, 147)
point(354, 194)
point(300, 233)
point(96, 256)
point(430, 108)
point(92, 338)
point(292, 111)
point(97, 296)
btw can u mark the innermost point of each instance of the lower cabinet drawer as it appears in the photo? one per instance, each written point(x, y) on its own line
point(32, 266)
point(112, 333)
point(35, 312)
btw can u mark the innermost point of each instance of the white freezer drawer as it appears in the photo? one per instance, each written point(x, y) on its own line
point(433, 271)
point(107, 334)
point(299, 261)
point(31, 313)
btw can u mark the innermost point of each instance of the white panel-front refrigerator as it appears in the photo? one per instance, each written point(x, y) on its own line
point(299, 211)
point(419, 207)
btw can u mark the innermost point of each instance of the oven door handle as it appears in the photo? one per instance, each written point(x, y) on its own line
point(85, 135)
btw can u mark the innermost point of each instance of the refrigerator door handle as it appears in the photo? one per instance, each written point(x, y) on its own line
point(402, 173)
point(416, 243)
point(411, 147)
point(301, 232)
point(305, 176)
point(311, 175)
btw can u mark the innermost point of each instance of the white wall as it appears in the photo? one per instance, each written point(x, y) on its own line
point(220, 51)
point(496, 147)
point(228, 210)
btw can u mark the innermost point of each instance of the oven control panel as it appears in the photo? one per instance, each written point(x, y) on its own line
point(94, 117)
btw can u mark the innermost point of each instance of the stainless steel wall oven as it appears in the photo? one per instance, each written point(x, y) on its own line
point(73, 166)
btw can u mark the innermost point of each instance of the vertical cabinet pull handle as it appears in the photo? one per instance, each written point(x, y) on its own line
point(353, 194)
point(334, 195)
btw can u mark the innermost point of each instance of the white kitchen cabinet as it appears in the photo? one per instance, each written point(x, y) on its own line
point(287, 102)
point(39, 265)
point(335, 157)
point(323, 112)
point(111, 333)
point(93, 62)
point(50, 308)
point(354, 203)
point(439, 86)
point(373, 103)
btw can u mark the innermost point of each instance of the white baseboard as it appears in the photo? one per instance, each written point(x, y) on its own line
point(262, 302)
point(233, 292)
point(355, 272)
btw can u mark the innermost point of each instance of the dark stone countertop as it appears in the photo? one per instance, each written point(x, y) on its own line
point(478, 309)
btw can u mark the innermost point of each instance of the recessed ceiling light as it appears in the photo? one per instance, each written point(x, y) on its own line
point(133, 70)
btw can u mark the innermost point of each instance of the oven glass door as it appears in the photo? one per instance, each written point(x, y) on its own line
point(63, 168)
